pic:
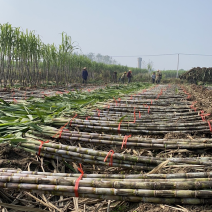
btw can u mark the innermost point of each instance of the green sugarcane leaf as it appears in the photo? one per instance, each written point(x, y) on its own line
point(36, 127)
point(30, 117)
point(69, 166)
point(39, 115)
point(122, 118)
point(1, 100)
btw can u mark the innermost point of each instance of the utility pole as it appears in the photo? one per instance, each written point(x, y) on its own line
point(178, 60)
point(139, 62)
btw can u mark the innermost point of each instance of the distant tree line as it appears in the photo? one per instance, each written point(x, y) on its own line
point(101, 58)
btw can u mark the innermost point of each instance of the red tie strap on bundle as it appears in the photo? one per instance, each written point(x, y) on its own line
point(77, 181)
point(157, 97)
point(72, 119)
point(125, 141)
point(58, 92)
point(192, 107)
point(87, 117)
point(139, 114)
point(151, 101)
point(148, 109)
point(14, 100)
point(119, 127)
point(60, 131)
point(111, 157)
point(98, 112)
point(134, 116)
point(203, 115)
point(115, 101)
point(89, 90)
point(189, 96)
point(209, 124)
point(42, 142)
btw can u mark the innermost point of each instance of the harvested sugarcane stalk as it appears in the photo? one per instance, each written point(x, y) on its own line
point(118, 140)
point(192, 191)
point(72, 153)
point(183, 176)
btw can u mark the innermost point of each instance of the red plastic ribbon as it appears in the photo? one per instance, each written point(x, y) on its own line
point(111, 157)
point(151, 101)
point(72, 119)
point(15, 101)
point(134, 116)
point(115, 101)
point(119, 127)
point(98, 112)
point(209, 124)
point(77, 181)
point(87, 117)
point(119, 100)
point(42, 142)
point(60, 131)
point(203, 115)
point(148, 109)
point(139, 114)
point(125, 141)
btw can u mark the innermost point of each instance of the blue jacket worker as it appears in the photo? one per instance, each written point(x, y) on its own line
point(84, 75)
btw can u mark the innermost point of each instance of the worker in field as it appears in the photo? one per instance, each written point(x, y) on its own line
point(84, 75)
point(160, 76)
point(129, 76)
point(153, 77)
point(115, 77)
point(122, 78)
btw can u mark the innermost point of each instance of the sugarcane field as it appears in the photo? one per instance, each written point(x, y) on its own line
point(86, 132)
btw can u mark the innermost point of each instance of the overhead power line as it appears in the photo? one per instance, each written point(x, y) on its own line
point(158, 55)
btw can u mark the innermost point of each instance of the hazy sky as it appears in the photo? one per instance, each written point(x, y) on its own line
point(122, 27)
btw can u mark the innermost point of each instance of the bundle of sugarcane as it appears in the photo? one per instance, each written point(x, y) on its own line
point(179, 190)
point(119, 141)
point(106, 112)
point(145, 118)
point(72, 153)
point(132, 107)
point(152, 102)
point(152, 109)
point(137, 106)
point(155, 96)
point(135, 128)
point(110, 115)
